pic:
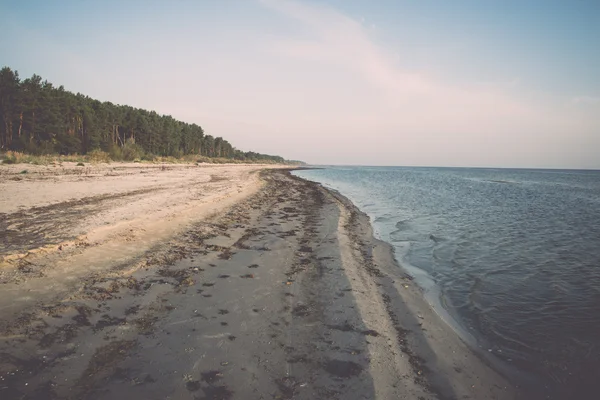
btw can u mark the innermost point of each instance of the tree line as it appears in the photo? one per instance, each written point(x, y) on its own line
point(38, 118)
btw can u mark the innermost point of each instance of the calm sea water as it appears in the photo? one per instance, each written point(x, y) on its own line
point(512, 255)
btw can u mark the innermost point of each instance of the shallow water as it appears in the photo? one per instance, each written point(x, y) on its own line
point(514, 257)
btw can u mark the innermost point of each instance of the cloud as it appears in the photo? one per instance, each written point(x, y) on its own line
point(496, 120)
point(345, 43)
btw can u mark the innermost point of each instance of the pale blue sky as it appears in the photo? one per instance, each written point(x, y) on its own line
point(457, 83)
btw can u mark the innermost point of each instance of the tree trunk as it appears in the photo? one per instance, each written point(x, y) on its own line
point(10, 134)
point(32, 133)
point(20, 123)
point(4, 143)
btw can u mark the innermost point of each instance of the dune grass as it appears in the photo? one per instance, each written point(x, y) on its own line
point(98, 156)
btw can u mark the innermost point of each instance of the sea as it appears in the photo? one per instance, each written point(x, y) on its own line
point(510, 257)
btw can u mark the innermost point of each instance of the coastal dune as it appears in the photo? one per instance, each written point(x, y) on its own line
point(211, 282)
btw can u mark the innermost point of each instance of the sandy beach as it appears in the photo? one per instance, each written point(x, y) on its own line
point(211, 282)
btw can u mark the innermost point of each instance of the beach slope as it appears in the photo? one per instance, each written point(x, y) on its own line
point(269, 288)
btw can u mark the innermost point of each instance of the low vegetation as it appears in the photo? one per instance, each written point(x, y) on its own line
point(99, 156)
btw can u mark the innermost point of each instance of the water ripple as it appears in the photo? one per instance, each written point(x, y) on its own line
point(515, 253)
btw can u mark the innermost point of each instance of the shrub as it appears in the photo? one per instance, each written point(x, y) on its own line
point(115, 153)
point(131, 151)
point(98, 156)
point(15, 157)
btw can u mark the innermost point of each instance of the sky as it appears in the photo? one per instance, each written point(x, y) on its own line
point(477, 83)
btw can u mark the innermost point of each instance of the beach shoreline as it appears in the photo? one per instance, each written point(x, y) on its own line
point(455, 367)
point(419, 294)
point(280, 292)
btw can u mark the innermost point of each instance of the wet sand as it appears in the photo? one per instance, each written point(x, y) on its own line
point(281, 293)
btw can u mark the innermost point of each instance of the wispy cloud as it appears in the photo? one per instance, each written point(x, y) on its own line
point(345, 43)
point(428, 112)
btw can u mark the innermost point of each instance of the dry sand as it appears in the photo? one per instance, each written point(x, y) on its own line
point(56, 219)
point(211, 282)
